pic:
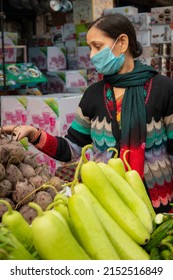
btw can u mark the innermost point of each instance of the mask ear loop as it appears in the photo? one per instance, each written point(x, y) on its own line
point(114, 43)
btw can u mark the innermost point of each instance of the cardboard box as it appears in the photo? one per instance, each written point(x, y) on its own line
point(71, 54)
point(144, 37)
point(162, 15)
point(38, 56)
point(56, 59)
point(84, 61)
point(70, 78)
point(10, 39)
point(156, 50)
point(56, 82)
point(69, 32)
point(149, 52)
point(56, 34)
point(85, 11)
point(141, 21)
point(51, 58)
point(76, 90)
point(161, 34)
point(81, 32)
point(41, 40)
point(76, 78)
point(53, 112)
point(71, 48)
point(126, 10)
point(93, 76)
point(14, 110)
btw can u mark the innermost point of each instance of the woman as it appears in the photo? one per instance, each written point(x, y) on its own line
point(131, 108)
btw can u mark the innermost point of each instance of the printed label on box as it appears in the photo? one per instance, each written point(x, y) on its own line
point(161, 34)
point(56, 59)
point(76, 79)
point(162, 15)
point(38, 56)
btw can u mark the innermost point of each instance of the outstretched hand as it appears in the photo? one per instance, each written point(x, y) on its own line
point(19, 131)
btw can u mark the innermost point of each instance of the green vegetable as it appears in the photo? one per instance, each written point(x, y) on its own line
point(160, 232)
point(14, 220)
point(94, 178)
point(165, 254)
point(11, 247)
point(128, 195)
point(52, 237)
point(167, 239)
point(155, 254)
point(135, 181)
point(167, 242)
point(60, 204)
point(164, 227)
point(117, 163)
point(90, 230)
point(125, 246)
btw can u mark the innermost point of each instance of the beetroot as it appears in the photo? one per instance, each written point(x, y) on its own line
point(23, 189)
point(28, 213)
point(51, 191)
point(31, 160)
point(56, 182)
point(15, 149)
point(26, 170)
point(6, 188)
point(4, 138)
point(22, 177)
point(4, 154)
point(43, 170)
point(36, 181)
point(2, 172)
point(45, 178)
point(13, 160)
point(13, 173)
point(43, 199)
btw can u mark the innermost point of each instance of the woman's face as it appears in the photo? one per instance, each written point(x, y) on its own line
point(98, 40)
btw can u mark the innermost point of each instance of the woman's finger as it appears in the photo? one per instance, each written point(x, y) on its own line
point(7, 129)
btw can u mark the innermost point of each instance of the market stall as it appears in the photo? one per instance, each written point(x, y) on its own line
point(83, 209)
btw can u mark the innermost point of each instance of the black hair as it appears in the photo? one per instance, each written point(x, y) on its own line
point(116, 24)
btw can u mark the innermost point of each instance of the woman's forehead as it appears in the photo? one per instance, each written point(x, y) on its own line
point(95, 34)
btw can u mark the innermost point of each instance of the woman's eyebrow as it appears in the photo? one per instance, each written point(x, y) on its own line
point(94, 42)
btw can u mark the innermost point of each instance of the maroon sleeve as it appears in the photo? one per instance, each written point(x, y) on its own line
point(54, 146)
point(48, 144)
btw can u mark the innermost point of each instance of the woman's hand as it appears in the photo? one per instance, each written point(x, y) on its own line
point(19, 131)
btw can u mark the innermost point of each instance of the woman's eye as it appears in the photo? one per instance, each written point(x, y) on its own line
point(98, 47)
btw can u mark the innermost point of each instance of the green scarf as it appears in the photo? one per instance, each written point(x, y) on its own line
point(133, 114)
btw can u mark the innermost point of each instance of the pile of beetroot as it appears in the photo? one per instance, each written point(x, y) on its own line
point(23, 179)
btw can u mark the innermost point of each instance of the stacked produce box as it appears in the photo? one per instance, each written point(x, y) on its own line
point(53, 113)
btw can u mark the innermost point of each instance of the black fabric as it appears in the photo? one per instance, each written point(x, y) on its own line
point(63, 152)
point(74, 136)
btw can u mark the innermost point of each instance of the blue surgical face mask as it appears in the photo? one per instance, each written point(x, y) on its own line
point(106, 62)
